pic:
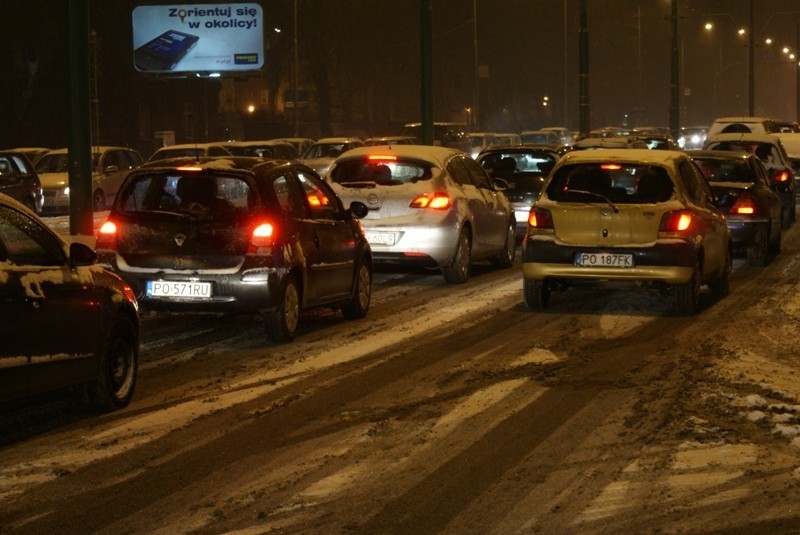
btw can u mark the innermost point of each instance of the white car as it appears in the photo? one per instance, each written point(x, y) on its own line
point(192, 150)
point(429, 206)
point(321, 154)
point(110, 166)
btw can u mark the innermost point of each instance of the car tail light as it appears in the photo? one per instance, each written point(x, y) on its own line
point(540, 218)
point(435, 201)
point(107, 235)
point(744, 205)
point(382, 158)
point(781, 176)
point(263, 235)
point(678, 221)
point(190, 168)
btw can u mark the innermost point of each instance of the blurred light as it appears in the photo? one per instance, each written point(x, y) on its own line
point(768, 41)
point(742, 31)
point(251, 108)
point(786, 50)
point(709, 26)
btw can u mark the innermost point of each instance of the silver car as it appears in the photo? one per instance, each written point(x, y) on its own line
point(428, 206)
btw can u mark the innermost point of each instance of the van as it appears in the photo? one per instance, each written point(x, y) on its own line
point(743, 125)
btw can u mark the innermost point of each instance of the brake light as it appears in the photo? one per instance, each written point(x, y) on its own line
point(744, 205)
point(540, 218)
point(381, 158)
point(782, 176)
point(435, 201)
point(190, 168)
point(107, 235)
point(611, 166)
point(677, 221)
point(263, 235)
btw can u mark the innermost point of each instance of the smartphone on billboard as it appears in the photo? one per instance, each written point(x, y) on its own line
point(163, 52)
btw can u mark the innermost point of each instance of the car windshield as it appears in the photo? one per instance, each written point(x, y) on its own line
point(326, 150)
point(52, 163)
point(190, 152)
point(718, 170)
point(196, 195)
point(524, 171)
point(369, 173)
point(610, 182)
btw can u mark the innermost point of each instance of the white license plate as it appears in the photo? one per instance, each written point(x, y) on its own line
point(181, 289)
point(617, 260)
point(380, 238)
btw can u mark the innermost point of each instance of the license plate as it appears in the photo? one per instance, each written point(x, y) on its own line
point(381, 238)
point(181, 289)
point(617, 260)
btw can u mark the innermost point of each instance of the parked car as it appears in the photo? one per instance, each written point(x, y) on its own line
point(692, 137)
point(432, 207)
point(645, 217)
point(445, 134)
point(753, 211)
point(770, 151)
point(524, 168)
point(321, 154)
point(238, 234)
point(32, 153)
point(109, 167)
point(541, 137)
point(192, 150)
point(743, 125)
point(271, 148)
point(67, 322)
point(19, 180)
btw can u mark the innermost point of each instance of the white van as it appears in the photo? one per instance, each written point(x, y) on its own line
point(743, 125)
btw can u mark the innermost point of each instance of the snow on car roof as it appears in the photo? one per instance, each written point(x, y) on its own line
point(739, 136)
point(432, 154)
point(646, 156)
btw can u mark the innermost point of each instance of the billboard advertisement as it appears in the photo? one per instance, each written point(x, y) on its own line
point(198, 38)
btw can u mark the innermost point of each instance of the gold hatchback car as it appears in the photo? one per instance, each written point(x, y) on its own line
point(643, 216)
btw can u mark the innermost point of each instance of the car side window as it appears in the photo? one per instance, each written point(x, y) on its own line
point(290, 197)
point(476, 173)
point(25, 243)
point(320, 197)
point(458, 172)
point(696, 184)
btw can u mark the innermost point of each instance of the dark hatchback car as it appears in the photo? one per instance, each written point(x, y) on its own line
point(66, 321)
point(753, 211)
point(238, 234)
point(18, 180)
point(525, 168)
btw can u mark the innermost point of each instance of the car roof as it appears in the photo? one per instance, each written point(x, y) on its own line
point(645, 156)
point(741, 119)
point(326, 140)
point(95, 149)
point(216, 163)
point(194, 145)
point(430, 153)
point(744, 136)
point(726, 154)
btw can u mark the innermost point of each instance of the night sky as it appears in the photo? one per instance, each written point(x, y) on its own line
point(367, 54)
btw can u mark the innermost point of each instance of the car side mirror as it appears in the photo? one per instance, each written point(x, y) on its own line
point(81, 254)
point(501, 183)
point(111, 169)
point(358, 209)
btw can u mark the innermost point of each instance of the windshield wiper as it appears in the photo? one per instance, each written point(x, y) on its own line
point(598, 195)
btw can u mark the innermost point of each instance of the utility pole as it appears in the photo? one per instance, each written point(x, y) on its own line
point(583, 51)
point(675, 82)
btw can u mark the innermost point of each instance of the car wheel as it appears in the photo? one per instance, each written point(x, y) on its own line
point(505, 259)
point(721, 285)
point(359, 305)
point(787, 215)
point(687, 296)
point(536, 294)
point(99, 201)
point(775, 243)
point(119, 364)
point(458, 270)
point(757, 254)
point(281, 323)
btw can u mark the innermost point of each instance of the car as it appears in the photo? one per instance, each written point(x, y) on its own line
point(639, 218)
point(390, 140)
point(445, 134)
point(770, 151)
point(508, 138)
point(692, 137)
point(564, 134)
point(658, 141)
point(753, 211)
point(541, 137)
point(430, 207)
point(321, 154)
point(19, 180)
point(237, 235)
point(791, 142)
point(743, 125)
point(480, 141)
point(194, 150)
point(524, 168)
point(610, 142)
point(271, 148)
point(301, 144)
point(33, 153)
point(68, 324)
point(109, 166)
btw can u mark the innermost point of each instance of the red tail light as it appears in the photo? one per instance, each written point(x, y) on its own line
point(540, 218)
point(382, 158)
point(263, 235)
point(676, 221)
point(781, 176)
point(744, 205)
point(107, 235)
point(435, 201)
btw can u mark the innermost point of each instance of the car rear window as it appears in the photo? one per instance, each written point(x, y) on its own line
point(196, 195)
point(366, 172)
point(610, 182)
point(717, 170)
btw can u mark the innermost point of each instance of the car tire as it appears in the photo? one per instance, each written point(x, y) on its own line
point(119, 366)
point(758, 252)
point(687, 296)
point(505, 259)
point(98, 200)
point(721, 285)
point(775, 242)
point(281, 323)
point(358, 306)
point(787, 215)
point(535, 293)
point(457, 271)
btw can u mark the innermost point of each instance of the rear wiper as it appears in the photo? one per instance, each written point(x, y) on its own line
point(598, 195)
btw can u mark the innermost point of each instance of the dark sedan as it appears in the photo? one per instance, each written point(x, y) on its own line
point(753, 210)
point(66, 322)
point(238, 234)
point(18, 180)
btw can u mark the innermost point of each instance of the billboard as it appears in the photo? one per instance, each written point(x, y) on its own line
point(198, 38)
